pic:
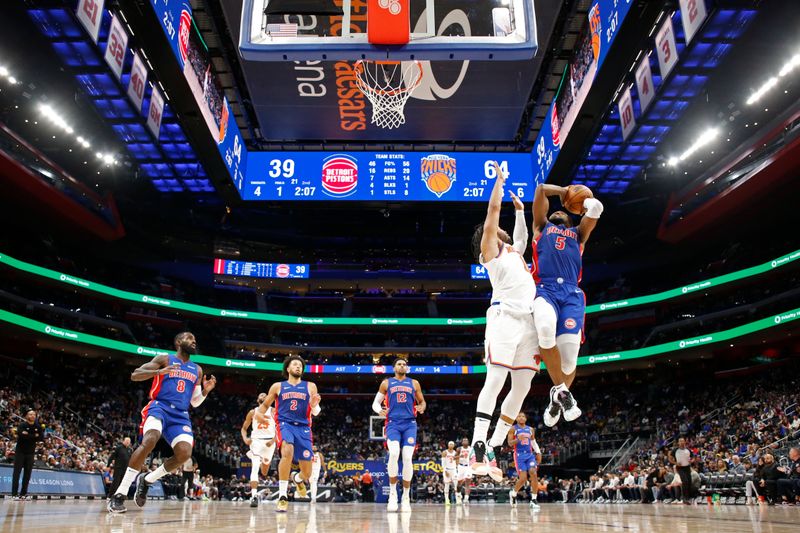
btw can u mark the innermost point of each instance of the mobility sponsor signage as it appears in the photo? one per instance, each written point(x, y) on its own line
point(56, 482)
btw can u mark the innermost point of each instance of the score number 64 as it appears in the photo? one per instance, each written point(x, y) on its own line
point(490, 173)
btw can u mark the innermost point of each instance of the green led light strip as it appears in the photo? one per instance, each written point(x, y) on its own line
point(674, 346)
point(340, 321)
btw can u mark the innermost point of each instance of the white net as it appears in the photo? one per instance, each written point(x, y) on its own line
point(388, 86)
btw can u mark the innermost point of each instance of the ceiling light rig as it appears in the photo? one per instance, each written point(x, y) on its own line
point(54, 117)
point(768, 85)
point(704, 139)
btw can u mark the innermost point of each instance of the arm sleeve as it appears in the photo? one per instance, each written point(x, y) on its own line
point(377, 403)
point(536, 447)
point(197, 396)
point(520, 232)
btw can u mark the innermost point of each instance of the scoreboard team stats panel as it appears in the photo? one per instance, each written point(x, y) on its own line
point(383, 176)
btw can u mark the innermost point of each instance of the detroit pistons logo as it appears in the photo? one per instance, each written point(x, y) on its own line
point(555, 126)
point(282, 271)
point(306, 454)
point(570, 323)
point(183, 34)
point(339, 175)
point(187, 429)
point(438, 173)
point(411, 440)
point(393, 6)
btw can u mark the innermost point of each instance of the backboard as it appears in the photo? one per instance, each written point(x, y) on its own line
point(490, 30)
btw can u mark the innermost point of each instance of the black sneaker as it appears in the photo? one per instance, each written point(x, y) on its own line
point(479, 448)
point(142, 486)
point(116, 504)
point(254, 501)
point(568, 405)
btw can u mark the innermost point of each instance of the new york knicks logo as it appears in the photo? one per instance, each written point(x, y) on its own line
point(339, 175)
point(439, 173)
point(596, 26)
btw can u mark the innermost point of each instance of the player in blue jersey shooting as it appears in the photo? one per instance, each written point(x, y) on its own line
point(403, 402)
point(177, 383)
point(295, 402)
point(560, 303)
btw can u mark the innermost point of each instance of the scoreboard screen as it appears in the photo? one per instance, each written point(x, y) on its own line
point(383, 176)
point(260, 270)
point(479, 271)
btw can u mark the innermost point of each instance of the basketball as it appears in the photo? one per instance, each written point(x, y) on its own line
point(573, 200)
point(439, 183)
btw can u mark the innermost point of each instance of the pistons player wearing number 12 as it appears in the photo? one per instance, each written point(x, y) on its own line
point(403, 401)
point(560, 303)
point(295, 402)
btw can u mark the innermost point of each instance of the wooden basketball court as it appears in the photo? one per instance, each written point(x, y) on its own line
point(174, 517)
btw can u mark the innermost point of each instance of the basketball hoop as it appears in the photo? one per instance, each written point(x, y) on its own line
point(388, 86)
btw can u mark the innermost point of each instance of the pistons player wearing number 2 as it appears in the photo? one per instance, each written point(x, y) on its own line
point(560, 304)
point(295, 401)
point(404, 400)
point(177, 383)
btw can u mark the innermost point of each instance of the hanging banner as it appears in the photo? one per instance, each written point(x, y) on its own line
point(90, 13)
point(155, 112)
point(626, 117)
point(644, 83)
point(117, 47)
point(665, 46)
point(137, 82)
point(693, 14)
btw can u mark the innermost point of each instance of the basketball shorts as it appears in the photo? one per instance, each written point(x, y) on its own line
point(511, 340)
point(298, 436)
point(261, 451)
point(450, 475)
point(464, 472)
point(174, 425)
point(524, 461)
point(402, 431)
point(569, 303)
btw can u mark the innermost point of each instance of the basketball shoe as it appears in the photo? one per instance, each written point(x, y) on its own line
point(142, 486)
point(116, 504)
point(283, 505)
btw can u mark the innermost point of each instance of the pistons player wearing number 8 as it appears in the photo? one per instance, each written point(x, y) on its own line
point(560, 304)
point(176, 385)
point(403, 401)
point(295, 401)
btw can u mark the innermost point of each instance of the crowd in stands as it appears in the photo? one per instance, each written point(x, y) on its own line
point(730, 425)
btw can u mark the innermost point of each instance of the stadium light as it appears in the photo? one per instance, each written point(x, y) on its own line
point(705, 138)
point(756, 96)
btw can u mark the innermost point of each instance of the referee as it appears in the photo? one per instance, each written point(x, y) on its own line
point(682, 459)
point(29, 432)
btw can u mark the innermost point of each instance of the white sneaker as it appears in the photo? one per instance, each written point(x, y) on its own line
point(392, 507)
point(512, 497)
point(553, 412)
point(568, 405)
point(458, 498)
point(405, 505)
point(535, 506)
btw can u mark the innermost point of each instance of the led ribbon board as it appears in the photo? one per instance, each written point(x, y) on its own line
point(341, 321)
point(667, 347)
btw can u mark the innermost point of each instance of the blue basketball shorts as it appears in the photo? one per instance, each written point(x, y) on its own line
point(402, 431)
point(174, 425)
point(569, 303)
point(299, 436)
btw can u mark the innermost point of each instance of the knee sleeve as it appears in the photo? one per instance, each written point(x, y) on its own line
point(544, 318)
point(520, 386)
point(394, 456)
point(495, 379)
point(569, 344)
point(408, 463)
point(254, 468)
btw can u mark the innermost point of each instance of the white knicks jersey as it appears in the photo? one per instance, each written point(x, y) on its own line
point(450, 459)
point(316, 464)
point(463, 456)
point(263, 430)
point(513, 287)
